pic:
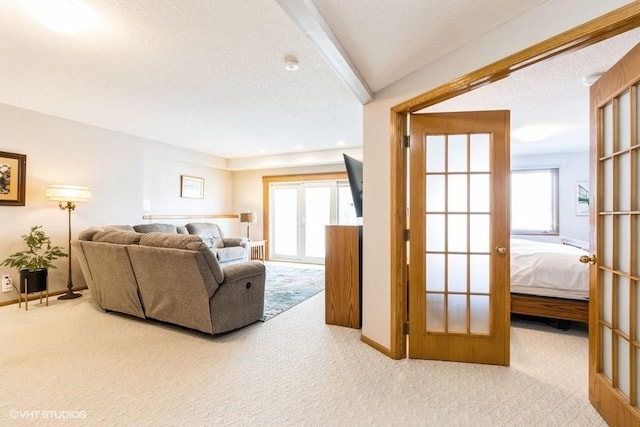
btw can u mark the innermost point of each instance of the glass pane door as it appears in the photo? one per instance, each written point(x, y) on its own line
point(459, 237)
point(317, 215)
point(618, 231)
point(346, 209)
point(458, 233)
point(285, 218)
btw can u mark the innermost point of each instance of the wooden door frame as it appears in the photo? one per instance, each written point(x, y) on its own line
point(611, 24)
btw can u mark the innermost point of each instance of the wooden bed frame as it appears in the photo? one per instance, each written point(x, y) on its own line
point(556, 308)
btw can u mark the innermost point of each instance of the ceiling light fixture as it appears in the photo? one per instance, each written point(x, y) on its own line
point(291, 63)
point(63, 16)
point(534, 133)
point(591, 78)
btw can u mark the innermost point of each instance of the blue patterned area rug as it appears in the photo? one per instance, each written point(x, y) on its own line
point(288, 285)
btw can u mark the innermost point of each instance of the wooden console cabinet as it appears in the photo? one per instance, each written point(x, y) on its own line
point(343, 290)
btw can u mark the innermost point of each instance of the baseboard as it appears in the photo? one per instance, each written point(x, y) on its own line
point(382, 349)
point(36, 295)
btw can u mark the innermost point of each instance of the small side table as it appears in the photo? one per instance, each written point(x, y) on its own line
point(257, 250)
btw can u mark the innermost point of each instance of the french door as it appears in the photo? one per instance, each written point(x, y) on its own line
point(300, 211)
point(614, 323)
point(459, 244)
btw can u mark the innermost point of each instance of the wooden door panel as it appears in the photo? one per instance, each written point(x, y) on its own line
point(614, 290)
point(459, 216)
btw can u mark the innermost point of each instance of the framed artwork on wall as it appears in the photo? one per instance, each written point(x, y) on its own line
point(191, 187)
point(13, 179)
point(582, 198)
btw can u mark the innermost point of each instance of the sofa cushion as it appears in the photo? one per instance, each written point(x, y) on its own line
point(168, 240)
point(117, 236)
point(231, 253)
point(188, 242)
point(88, 234)
point(123, 227)
point(156, 228)
point(210, 233)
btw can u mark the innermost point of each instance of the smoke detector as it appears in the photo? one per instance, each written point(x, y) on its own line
point(291, 63)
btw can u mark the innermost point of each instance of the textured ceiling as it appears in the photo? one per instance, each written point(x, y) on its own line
point(388, 40)
point(205, 74)
point(209, 75)
point(547, 100)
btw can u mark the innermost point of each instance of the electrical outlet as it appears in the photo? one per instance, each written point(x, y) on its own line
point(7, 283)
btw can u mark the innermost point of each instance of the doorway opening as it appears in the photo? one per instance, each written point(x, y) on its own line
point(613, 147)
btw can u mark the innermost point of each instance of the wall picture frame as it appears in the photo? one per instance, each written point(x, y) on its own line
point(582, 198)
point(191, 187)
point(13, 179)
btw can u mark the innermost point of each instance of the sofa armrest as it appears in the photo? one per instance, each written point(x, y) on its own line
point(235, 241)
point(242, 270)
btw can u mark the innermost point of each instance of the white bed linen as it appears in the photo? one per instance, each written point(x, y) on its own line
point(548, 269)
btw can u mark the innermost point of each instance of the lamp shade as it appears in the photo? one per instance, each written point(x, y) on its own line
point(68, 193)
point(248, 217)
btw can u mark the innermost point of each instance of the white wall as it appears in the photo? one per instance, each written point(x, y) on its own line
point(541, 23)
point(113, 165)
point(162, 189)
point(572, 167)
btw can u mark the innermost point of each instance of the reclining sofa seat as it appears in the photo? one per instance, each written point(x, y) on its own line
point(227, 249)
point(169, 277)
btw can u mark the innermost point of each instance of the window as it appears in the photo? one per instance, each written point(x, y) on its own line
point(346, 209)
point(534, 201)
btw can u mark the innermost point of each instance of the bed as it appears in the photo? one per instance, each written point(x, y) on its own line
point(547, 280)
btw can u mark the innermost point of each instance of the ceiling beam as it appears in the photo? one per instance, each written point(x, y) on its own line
point(307, 17)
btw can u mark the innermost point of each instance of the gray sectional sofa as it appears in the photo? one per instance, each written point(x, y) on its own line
point(171, 277)
point(226, 249)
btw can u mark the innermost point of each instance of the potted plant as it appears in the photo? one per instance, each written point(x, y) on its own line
point(34, 263)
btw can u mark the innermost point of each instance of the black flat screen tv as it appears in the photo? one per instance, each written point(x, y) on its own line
point(354, 172)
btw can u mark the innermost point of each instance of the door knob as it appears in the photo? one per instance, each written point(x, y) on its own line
point(501, 250)
point(588, 259)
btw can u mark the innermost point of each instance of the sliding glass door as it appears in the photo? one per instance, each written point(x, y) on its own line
point(284, 216)
point(300, 211)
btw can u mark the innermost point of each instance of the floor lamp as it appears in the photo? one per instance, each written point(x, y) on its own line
point(67, 196)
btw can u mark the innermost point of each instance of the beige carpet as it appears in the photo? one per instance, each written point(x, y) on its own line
point(70, 360)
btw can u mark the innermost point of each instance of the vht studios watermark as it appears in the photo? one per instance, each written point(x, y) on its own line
point(16, 414)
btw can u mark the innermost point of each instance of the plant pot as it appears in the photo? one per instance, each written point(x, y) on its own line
point(33, 281)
